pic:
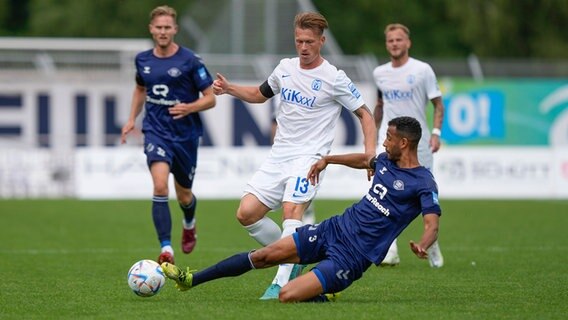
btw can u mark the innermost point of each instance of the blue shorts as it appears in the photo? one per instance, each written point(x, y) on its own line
point(180, 156)
point(339, 263)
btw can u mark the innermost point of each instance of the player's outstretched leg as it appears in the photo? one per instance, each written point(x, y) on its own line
point(182, 278)
point(435, 255)
point(286, 271)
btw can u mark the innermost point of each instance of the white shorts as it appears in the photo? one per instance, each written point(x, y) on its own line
point(277, 182)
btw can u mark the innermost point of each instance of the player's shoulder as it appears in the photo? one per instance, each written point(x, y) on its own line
point(382, 160)
point(145, 55)
point(187, 53)
point(289, 62)
point(419, 64)
point(382, 68)
point(333, 74)
point(427, 178)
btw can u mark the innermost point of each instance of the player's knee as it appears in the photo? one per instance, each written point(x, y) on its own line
point(245, 218)
point(185, 198)
point(161, 188)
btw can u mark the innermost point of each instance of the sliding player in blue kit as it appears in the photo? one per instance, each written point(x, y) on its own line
point(169, 81)
point(346, 245)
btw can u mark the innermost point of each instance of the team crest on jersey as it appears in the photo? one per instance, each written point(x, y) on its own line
point(410, 79)
point(174, 72)
point(316, 85)
point(146, 70)
point(398, 185)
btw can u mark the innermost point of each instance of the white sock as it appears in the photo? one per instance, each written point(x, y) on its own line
point(168, 249)
point(393, 249)
point(265, 231)
point(188, 226)
point(284, 270)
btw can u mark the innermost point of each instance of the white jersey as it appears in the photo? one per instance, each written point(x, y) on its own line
point(406, 91)
point(310, 103)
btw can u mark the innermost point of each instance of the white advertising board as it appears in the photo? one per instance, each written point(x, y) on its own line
point(472, 172)
point(502, 172)
point(222, 173)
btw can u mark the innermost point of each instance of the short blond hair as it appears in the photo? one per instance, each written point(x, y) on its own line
point(311, 20)
point(395, 26)
point(163, 11)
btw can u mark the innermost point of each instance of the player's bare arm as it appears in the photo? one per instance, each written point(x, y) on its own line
point(378, 112)
point(438, 117)
point(249, 94)
point(352, 160)
point(369, 129)
point(431, 224)
point(138, 97)
point(206, 101)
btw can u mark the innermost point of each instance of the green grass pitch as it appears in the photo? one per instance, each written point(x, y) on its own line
point(68, 259)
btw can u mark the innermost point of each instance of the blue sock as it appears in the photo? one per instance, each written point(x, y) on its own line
point(162, 219)
point(230, 267)
point(189, 210)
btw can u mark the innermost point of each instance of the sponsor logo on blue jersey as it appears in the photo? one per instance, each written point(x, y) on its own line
point(297, 98)
point(161, 90)
point(202, 73)
point(377, 204)
point(435, 198)
point(397, 95)
point(354, 90)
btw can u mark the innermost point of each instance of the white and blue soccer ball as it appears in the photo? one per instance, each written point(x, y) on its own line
point(146, 278)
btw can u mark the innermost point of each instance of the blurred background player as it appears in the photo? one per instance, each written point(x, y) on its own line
point(405, 85)
point(346, 245)
point(169, 80)
point(312, 93)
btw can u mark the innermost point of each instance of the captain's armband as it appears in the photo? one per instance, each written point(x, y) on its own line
point(266, 90)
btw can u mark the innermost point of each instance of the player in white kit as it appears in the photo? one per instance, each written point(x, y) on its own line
point(312, 93)
point(405, 85)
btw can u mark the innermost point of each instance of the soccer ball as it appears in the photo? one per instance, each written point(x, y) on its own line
point(146, 278)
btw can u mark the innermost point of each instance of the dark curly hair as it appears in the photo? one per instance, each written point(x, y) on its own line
point(407, 127)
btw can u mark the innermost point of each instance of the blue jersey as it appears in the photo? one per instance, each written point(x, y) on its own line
point(397, 196)
point(169, 81)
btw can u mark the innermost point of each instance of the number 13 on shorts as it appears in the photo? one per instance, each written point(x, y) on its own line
point(302, 185)
point(300, 190)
